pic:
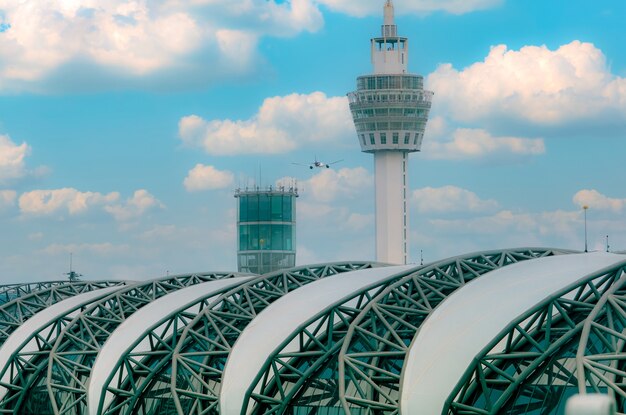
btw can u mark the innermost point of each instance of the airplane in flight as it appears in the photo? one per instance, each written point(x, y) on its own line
point(317, 164)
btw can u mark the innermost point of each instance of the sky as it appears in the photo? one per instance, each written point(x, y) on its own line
point(126, 126)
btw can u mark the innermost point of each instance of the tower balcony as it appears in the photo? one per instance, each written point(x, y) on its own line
point(391, 118)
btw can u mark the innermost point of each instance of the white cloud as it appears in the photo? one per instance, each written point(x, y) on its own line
point(12, 156)
point(7, 198)
point(596, 200)
point(328, 193)
point(72, 201)
point(134, 207)
point(525, 226)
point(132, 36)
point(468, 143)
point(362, 8)
point(204, 177)
point(330, 184)
point(335, 214)
point(101, 249)
point(534, 84)
point(75, 202)
point(450, 199)
point(359, 221)
point(307, 256)
point(159, 232)
point(135, 38)
point(36, 236)
point(281, 125)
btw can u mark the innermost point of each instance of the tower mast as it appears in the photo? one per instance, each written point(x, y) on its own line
point(390, 109)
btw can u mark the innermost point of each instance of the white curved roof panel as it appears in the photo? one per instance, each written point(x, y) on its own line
point(141, 322)
point(282, 318)
point(19, 339)
point(465, 323)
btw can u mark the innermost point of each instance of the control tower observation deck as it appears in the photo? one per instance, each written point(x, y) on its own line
point(390, 109)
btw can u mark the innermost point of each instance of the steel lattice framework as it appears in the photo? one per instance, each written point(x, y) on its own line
point(374, 351)
point(201, 353)
point(18, 365)
point(60, 367)
point(30, 299)
point(288, 373)
point(312, 376)
point(532, 363)
point(10, 292)
point(64, 347)
point(138, 368)
point(601, 355)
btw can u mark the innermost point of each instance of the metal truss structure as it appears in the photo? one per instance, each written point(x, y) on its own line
point(551, 352)
point(10, 292)
point(161, 346)
point(601, 354)
point(26, 300)
point(53, 379)
point(376, 343)
point(205, 344)
point(20, 313)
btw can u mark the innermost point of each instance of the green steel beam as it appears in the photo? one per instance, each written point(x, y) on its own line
point(27, 300)
point(601, 356)
point(374, 351)
point(533, 350)
point(55, 376)
point(43, 328)
point(200, 355)
point(11, 292)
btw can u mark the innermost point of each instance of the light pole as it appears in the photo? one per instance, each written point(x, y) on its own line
point(585, 210)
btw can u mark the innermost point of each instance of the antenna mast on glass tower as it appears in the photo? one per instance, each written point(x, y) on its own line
point(390, 110)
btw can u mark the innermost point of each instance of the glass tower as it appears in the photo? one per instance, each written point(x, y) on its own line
point(266, 221)
point(390, 110)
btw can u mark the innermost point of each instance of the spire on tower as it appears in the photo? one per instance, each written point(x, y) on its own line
point(389, 13)
point(389, 28)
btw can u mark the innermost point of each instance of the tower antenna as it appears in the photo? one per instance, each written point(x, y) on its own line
point(72, 275)
point(585, 208)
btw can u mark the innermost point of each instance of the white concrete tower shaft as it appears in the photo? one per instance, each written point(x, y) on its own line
point(390, 109)
point(392, 217)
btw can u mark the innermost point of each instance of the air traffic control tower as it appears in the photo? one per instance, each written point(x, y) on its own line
point(266, 221)
point(390, 110)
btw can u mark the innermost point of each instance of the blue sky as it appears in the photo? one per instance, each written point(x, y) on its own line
point(126, 125)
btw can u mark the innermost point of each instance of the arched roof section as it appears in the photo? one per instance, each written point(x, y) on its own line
point(377, 341)
point(24, 338)
point(600, 364)
point(525, 365)
point(10, 292)
point(33, 298)
point(61, 367)
point(206, 342)
point(296, 381)
point(273, 329)
point(130, 336)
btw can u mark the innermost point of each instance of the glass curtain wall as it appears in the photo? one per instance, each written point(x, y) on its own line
point(267, 231)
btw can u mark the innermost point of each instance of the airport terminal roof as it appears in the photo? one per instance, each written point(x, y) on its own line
point(504, 331)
